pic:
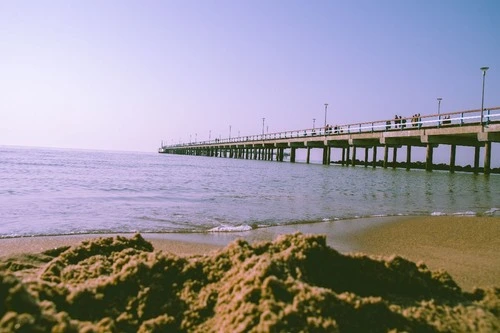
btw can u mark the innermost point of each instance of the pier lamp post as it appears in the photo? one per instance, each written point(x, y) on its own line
point(484, 69)
point(439, 99)
point(314, 123)
point(229, 132)
point(209, 135)
point(263, 121)
point(195, 137)
point(190, 135)
point(326, 109)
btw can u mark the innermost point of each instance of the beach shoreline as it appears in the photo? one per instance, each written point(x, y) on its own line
point(464, 246)
point(210, 283)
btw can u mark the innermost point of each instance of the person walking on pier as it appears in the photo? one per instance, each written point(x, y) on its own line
point(396, 121)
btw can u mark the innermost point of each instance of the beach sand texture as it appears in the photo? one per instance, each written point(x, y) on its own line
point(295, 283)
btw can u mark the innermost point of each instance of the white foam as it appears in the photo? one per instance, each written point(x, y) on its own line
point(492, 211)
point(226, 228)
point(438, 214)
point(467, 213)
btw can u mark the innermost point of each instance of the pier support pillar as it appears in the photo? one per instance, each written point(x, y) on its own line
point(428, 158)
point(328, 155)
point(325, 155)
point(477, 150)
point(394, 157)
point(347, 156)
point(353, 156)
point(292, 154)
point(487, 157)
point(408, 157)
point(453, 154)
point(366, 156)
point(374, 156)
point(308, 155)
point(386, 155)
point(343, 156)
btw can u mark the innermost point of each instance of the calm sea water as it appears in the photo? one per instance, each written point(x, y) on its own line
point(53, 192)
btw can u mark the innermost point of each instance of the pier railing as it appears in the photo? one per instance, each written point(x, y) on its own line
point(459, 118)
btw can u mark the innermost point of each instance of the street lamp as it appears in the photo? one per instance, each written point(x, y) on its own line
point(263, 120)
point(209, 135)
point(326, 108)
point(314, 123)
point(484, 69)
point(439, 99)
point(229, 132)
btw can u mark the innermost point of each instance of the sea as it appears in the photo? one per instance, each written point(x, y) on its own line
point(45, 191)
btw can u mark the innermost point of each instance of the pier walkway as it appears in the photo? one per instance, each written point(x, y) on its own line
point(473, 128)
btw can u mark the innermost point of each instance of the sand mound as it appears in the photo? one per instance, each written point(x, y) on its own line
point(294, 284)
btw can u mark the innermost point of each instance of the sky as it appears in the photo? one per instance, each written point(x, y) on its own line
point(125, 75)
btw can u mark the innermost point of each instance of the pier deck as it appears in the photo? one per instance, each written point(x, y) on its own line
point(473, 128)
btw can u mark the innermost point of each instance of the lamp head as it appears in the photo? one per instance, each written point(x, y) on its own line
point(484, 69)
point(439, 99)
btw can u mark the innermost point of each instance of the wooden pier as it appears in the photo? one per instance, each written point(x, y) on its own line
point(472, 128)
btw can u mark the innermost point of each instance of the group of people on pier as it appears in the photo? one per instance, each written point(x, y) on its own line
point(400, 122)
point(335, 129)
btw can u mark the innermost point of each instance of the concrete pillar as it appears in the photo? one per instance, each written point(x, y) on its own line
point(343, 156)
point(428, 158)
point(477, 150)
point(308, 155)
point(292, 154)
point(353, 156)
point(408, 157)
point(347, 156)
point(487, 157)
point(394, 157)
point(374, 156)
point(453, 154)
point(282, 154)
point(366, 156)
point(386, 155)
point(325, 155)
point(329, 155)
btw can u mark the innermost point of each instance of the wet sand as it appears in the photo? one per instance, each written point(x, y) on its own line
point(466, 247)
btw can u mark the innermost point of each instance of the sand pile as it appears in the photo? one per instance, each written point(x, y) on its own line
point(294, 284)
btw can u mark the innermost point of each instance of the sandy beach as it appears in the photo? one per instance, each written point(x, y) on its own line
point(464, 246)
point(381, 274)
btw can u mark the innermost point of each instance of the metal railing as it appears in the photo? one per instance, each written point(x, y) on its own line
point(460, 118)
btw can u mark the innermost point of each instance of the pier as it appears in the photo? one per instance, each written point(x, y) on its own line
point(471, 128)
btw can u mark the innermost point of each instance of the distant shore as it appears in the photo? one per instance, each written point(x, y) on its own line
point(464, 246)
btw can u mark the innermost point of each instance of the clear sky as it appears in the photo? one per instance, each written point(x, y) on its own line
point(124, 75)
